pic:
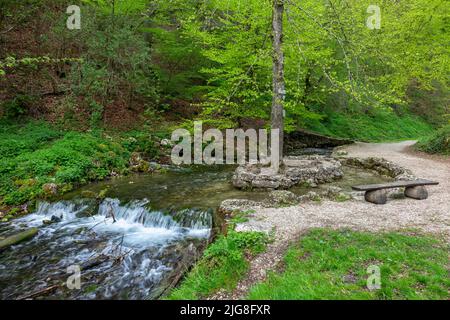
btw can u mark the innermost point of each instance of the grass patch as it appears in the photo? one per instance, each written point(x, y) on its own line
point(36, 153)
point(436, 143)
point(333, 265)
point(223, 264)
point(377, 127)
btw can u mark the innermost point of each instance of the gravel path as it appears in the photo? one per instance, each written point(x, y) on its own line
point(428, 216)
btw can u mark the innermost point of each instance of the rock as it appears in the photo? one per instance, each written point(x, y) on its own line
point(56, 219)
point(231, 205)
point(332, 191)
point(418, 192)
point(166, 143)
point(240, 183)
point(262, 182)
point(310, 196)
point(113, 174)
point(50, 189)
point(53, 219)
point(282, 198)
point(377, 196)
point(297, 169)
point(381, 166)
point(17, 238)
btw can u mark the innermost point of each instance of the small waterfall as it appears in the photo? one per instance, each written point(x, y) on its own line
point(138, 249)
point(63, 210)
point(135, 212)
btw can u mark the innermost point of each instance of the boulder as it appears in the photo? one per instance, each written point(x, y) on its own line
point(166, 143)
point(376, 197)
point(312, 170)
point(418, 192)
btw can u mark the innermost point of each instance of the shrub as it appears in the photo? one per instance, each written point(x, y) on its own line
point(438, 142)
point(37, 153)
point(17, 107)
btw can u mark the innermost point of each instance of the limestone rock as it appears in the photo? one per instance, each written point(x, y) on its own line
point(381, 166)
point(282, 198)
point(231, 205)
point(166, 143)
point(313, 170)
point(310, 196)
point(418, 192)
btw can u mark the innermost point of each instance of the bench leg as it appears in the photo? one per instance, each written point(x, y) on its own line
point(377, 196)
point(418, 192)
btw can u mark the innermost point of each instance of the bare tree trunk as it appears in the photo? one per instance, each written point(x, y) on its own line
point(279, 91)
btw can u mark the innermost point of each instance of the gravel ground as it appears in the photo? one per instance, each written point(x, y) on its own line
point(428, 216)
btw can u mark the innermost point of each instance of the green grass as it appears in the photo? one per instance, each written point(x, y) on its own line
point(378, 127)
point(36, 153)
point(436, 143)
point(333, 265)
point(223, 264)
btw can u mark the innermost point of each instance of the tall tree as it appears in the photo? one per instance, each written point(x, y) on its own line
point(279, 88)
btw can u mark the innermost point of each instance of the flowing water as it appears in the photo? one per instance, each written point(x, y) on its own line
point(123, 251)
point(135, 244)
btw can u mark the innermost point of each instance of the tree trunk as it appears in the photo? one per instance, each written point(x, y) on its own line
point(279, 91)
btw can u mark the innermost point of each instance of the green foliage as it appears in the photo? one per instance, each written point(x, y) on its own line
point(35, 154)
point(222, 266)
point(19, 106)
point(437, 143)
point(332, 57)
point(380, 125)
point(333, 265)
point(117, 67)
point(108, 7)
point(11, 62)
point(137, 141)
point(213, 60)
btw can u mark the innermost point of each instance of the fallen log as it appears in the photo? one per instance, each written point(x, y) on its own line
point(17, 238)
point(42, 292)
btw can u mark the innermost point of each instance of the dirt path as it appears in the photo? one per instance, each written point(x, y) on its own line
point(428, 216)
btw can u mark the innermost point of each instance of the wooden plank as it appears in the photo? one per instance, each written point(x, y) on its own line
point(397, 184)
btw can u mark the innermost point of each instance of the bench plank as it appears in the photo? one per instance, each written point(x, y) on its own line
point(396, 184)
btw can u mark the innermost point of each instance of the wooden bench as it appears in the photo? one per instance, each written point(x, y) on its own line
point(376, 193)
